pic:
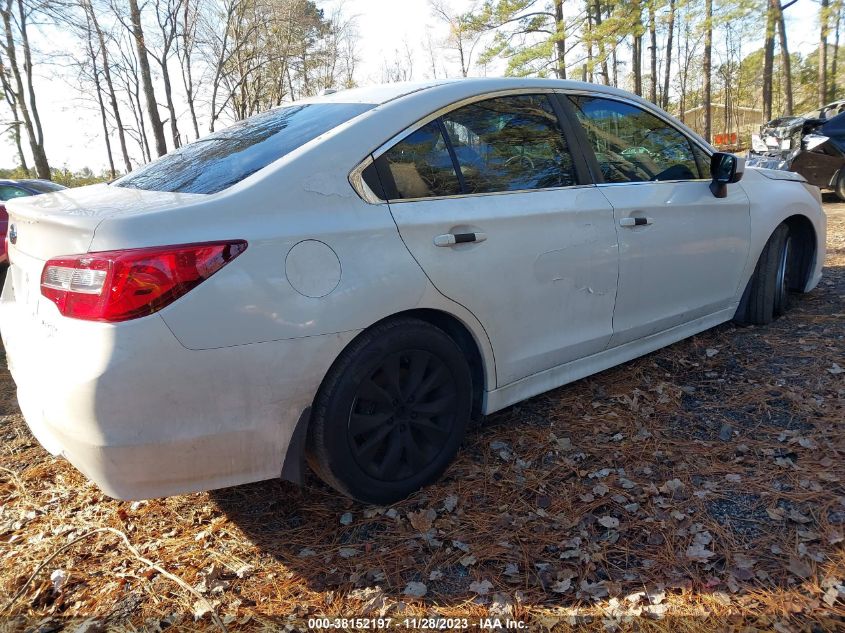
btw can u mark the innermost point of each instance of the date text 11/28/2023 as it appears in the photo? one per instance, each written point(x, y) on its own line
point(431, 624)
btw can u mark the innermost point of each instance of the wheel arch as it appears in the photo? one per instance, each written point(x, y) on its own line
point(801, 265)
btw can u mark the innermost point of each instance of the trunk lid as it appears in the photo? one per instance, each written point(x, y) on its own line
point(63, 223)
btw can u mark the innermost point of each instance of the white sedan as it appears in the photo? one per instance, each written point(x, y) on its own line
point(349, 279)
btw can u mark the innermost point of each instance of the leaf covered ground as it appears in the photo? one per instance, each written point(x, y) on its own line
point(701, 487)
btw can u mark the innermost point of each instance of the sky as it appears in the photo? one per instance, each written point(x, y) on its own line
point(72, 127)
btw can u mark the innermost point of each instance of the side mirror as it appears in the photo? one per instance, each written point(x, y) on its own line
point(725, 169)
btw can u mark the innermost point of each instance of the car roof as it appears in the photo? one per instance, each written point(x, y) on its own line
point(382, 93)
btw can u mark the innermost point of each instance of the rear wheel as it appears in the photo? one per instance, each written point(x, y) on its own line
point(391, 413)
point(766, 296)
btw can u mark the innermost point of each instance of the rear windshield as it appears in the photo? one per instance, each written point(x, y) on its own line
point(224, 158)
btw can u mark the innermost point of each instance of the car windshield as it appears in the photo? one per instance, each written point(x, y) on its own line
point(224, 158)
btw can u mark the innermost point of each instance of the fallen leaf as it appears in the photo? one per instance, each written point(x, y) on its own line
point(562, 586)
point(799, 567)
point(422, 520)
point(835, 369)
point(415, 590)
point(609, 522)
point(450, 503)
point(58, 578)
point(699, 553)
point(346, 518)
point(482, 588)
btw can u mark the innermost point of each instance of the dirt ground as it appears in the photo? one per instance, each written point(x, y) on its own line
point(701, 487)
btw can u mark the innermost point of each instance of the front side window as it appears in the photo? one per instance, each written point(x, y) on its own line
point(633, 145)
point(510, 144)
point(224, 158)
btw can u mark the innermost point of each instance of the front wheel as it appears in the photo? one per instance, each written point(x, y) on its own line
point(766, 296)
point(840, 185)
point(391, 413)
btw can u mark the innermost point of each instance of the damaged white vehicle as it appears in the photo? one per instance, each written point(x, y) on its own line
point(348, 280)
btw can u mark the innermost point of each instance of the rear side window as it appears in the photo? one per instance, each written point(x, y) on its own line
point(502, 144)
point(420, 165)
point(7, 193)
point(633, 145)
point(224, 158)
point(510, 144)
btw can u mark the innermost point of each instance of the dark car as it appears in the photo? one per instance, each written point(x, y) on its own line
point(19, 189)
point(812, 145)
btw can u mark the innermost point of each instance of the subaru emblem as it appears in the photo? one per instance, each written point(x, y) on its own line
point(13, 234)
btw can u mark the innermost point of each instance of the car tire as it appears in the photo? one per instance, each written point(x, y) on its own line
point(391, 413)
point(840, 185)
point(766, 296)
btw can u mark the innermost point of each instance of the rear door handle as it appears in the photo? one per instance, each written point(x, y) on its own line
point(636, 221)
point(450, 239)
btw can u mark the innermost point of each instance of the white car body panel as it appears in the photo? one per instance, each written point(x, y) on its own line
point(209, 391)
point(685, 264)
point(542, 249)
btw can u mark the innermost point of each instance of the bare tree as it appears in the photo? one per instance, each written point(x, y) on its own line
point(464, 33)
point(167, 16)
point(707, 68)
point(824, 25)
point(15, 15)
point(185, 45)
point(146, 78)
point(93, 23)
point(668, 69)
point(15, 124)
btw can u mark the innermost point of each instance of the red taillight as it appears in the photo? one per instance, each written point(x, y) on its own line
point(121, 285)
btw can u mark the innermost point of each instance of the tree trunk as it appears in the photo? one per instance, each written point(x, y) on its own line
point(668, 70)
point(823, 21)
point(9, 95)
point(560, 43)
point(636, 47)
point(769, 57)
point(589, 39)
point(652, 32)
point(786, 61)
point(835, 61)
point(30, 121)
point(121, 133)
point(146, 78)
point(97, 86)
point(707, 69)
point(602, 48)
point(168, 96)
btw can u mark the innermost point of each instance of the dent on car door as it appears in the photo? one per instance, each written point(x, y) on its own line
point(682, 250)
point(490, 201)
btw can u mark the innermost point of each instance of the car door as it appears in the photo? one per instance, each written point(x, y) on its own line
point(681, 250)
point(494, 206)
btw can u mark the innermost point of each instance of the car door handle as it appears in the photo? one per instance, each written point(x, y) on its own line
point(636, 221)
point(450, 239)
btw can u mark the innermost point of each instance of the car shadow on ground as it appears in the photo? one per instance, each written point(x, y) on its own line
point(712, 466)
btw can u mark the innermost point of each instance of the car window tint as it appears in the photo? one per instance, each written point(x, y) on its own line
point(420, 165)
point(8, 192)
point(632, 145)
point(224, 158)
point(703, 160)
point(510, 144)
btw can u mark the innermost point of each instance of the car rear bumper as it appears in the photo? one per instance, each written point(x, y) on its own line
point(144, 417)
